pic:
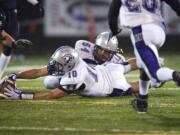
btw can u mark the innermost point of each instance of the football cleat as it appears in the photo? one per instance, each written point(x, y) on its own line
point(176, 77)
point(140, 105)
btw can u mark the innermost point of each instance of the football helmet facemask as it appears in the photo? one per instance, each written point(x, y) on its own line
point(62, 61)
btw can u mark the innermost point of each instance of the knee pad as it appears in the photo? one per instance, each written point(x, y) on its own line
point(7, 50)
point(51, 82)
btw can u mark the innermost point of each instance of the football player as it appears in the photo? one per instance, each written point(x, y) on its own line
point(8, 43)
point(74, 75)
point(103, 51)
point(9, 23)
point(145, 21)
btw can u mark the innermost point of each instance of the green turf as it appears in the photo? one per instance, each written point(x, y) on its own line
point(75, 115)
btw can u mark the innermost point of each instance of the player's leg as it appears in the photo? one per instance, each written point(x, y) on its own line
point(147, 60)
point(4, 59)
point(140, 104)
point(146, 41)
point(166, 74)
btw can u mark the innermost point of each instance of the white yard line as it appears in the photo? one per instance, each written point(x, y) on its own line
point(13, 128)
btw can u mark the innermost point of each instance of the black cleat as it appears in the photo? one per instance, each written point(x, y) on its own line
point(176, 77)
point(140, 105)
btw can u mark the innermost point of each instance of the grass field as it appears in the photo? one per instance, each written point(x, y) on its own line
point(75, 115)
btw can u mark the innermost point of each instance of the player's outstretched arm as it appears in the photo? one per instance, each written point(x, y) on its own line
point(28, 74)
point(9, 91)
point(32, 73)
point(53, 94)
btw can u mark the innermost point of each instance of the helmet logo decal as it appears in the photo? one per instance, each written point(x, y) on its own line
point(68, 59)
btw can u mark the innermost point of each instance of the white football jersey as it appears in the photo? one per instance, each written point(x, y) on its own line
point(98, 81)
point(137, 12)
point(85, 50)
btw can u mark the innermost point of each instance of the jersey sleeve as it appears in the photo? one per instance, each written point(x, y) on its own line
point(113, 16)
point(85, 50)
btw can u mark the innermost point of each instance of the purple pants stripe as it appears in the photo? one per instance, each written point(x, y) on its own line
point(146, 54)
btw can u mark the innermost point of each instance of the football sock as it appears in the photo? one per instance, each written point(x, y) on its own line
point(143, 87)
point(164, 74)
point(4, 61)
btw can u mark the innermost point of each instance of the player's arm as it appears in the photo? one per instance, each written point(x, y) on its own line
point(175, 5)
point(32, 73)
point(53, 94)
point(16, 94)
point(135, 86)
point(6, 39)
point(132, 62)
point(28, 74)
point(113, 16)
point(130, 65)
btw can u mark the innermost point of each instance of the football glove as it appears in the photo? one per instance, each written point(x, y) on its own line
point(6, 84)
point(12, 93)
point(21, 43)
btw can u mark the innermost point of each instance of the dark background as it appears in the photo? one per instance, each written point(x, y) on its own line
point(31, 27)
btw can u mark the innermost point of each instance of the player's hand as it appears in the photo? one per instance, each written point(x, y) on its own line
point(21, 43)
point(4, 85)
point(12, 93)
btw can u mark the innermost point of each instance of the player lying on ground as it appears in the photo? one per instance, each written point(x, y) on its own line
point(104, 51)
point(68, 73)
point(8, 44)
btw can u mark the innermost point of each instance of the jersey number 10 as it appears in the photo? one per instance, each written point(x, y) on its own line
point(134, 5)
point(72, 74)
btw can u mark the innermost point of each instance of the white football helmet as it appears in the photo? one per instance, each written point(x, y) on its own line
point(107, 41)
point(62, 61)
point(106, 46)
